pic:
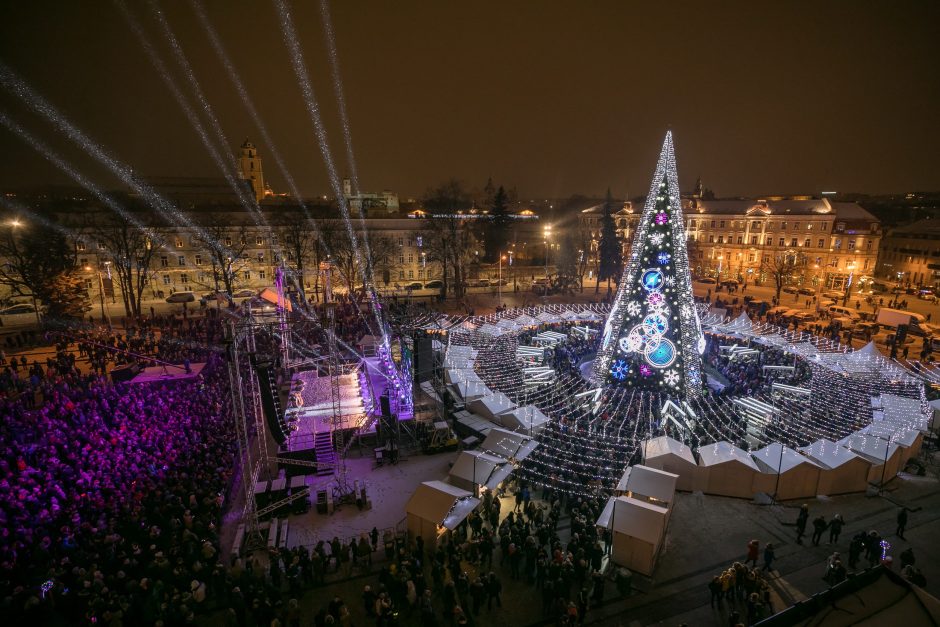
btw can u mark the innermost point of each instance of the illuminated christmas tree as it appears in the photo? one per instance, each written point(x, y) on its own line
point(653, 338)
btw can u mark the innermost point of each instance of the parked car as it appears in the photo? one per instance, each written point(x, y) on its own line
point(801, 315)
point(834, 294)
point(245, 293)
point(433, 285)
point(22, 308)
point(845, 312)
point(181, 297)
point(791, 289)
point(807, 291)
point(779, 309)
point(926, 294)
point(707, 281)
point(414, 286)
point(864, 329)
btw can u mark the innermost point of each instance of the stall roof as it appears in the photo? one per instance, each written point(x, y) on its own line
point(635, 518)
point(494, 403)
point(776, 455)
point(871, 447)
point(472, 389)
point(525, 417)
point(504, 443)
point(722, 452)
point(649, 482)
point(664, 445)
point(476, 466)
point(896, 433)
point(441, 502)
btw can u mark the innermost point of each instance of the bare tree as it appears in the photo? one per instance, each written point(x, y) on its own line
point(226, 245)
point(130, 250)
point(446, 238)
point(301, 245)
point(782, 265)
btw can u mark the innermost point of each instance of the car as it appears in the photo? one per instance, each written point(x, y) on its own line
point(826, 303)
point(926, 294)
point(482, 283)
point(22, 308)
point(433, 285)
point(800, 315)
point(779, 309)
point(864, 329)
point(730, 283)
point(834, 294)
point(707, 281)
point(245, 293)
point(807, 291)
point(181, 297)
point(791, 289)
point(414, 286)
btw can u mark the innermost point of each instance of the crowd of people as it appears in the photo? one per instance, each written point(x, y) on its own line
point(111, 494)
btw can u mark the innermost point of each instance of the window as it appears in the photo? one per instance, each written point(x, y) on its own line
point(259, 241)
point(868, 244)
point(184, 278)
point(809, 226)
point(782, 242)
point(783, 226)
point(751, 257)
point(179, 243)
point(792, 241)
point(821, 243)
point(711, 239)
point(228, 241)
point(247, 275)
point(755, 225)
point(99, 245)
point(411, 274)
point(260, 257)
point(851, 244)
point(261, 274)
point(79, 246)
point(807, 243)
point(401, 259)
point(411, 258)
point(796, 226)
point(401, 274)
point(198, 260)
point(867, 261)
point(720, 224)
point(721, 239)
point(691, 224)
point(838, 243)
point(753, 240)
point(401, 242)
point(713, 224)
point(770, 226)
point(166, 279)
point(419, 241)
point(740, 239)
point(88, 284)
point(824, 227)
point(164, 261)
point(420, 274)
point(181, 260)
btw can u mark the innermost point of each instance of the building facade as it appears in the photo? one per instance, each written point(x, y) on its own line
point(910, 255)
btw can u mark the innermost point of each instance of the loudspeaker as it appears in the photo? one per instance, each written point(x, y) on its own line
point(423, 357)
point(125, 373)
point(386, 405)
point(269, 404)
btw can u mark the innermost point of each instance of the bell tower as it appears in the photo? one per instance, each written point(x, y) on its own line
point(249, 165)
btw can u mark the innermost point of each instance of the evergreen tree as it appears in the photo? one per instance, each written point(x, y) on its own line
point(497, 228)
point(609, 250)
point(567, 264)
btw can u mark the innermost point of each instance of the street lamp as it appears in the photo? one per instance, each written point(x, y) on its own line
point(499, 281)
point(547, 233)
point(100, 292)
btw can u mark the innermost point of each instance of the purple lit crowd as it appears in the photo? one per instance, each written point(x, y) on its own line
point(111, 494)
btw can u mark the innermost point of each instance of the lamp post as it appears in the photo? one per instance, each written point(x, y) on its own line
point(100, 293)
point(547, 233)
point(499, 281)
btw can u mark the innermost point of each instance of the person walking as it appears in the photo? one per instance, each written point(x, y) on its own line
point(801, 521)
point(835, 528)
point(902, 522)
point(769, 557)
point(753, 550)
point(819, 526)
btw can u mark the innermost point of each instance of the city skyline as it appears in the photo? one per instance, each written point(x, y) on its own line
point(771, 115)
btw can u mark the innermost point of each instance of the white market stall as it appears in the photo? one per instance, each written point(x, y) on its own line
point(799, 475)
point(673, 456)
point(638, 529)
point(435, 508)
point(478, 468)
point(885, 457)
point(527, 418)
point(491, 405)
point(508, 444)
point(648, 484)
point(730, 470)
point(842, 471)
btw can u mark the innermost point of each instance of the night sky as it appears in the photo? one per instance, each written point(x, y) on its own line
point(552, 98)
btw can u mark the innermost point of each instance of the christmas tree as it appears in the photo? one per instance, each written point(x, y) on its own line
point(653, 338)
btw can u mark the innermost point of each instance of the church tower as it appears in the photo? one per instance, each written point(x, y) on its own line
point(249, 164)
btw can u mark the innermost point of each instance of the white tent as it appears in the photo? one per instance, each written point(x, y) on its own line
point(527, 418)
point(885, 457)
point(730, 470)
point(472, 389)
point(842, 470)
point(910, 440)
point(905, 411)
point(799, 475)
point(490, 405)
point(649, 485)
point(526, 320)
point(492, 329)
point(569, 315)
point(548, 317)
point(436, 507)
point(673, 456)
point(638, 528)
point(508, 444)
point(476, 468)
point(456, 375)
point(588, 315)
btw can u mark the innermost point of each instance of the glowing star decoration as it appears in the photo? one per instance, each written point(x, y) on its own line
point(662, 218)
point(645, 370)
point(663, 258)
point(671, 378)
point(619, 369)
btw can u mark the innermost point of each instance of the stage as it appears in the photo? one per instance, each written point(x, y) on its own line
point(168, 374)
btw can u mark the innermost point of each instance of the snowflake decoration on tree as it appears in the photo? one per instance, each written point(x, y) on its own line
point(663, 258)
point(671, 377)
point(633, 308)
point(662, 218)
point(670, 280)
point(645, 370)
point(686, 311)
point(656, 239)
point(619, 369)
